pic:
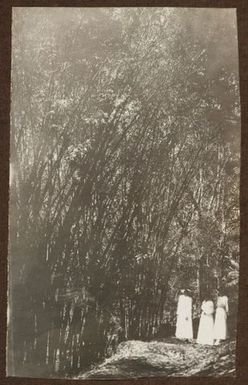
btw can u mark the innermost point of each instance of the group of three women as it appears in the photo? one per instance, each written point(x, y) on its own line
point(211, 330)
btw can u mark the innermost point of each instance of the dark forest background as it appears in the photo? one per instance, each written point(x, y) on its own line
point(125, 177)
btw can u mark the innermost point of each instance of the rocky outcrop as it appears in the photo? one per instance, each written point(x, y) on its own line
point(169, 357)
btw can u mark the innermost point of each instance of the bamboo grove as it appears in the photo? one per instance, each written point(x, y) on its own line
point(125, 157)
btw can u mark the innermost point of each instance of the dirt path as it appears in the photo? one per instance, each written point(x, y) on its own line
point(166, 358)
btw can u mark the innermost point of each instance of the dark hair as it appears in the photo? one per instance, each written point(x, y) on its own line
point(187, 292)
point(221, 291)
point(207, 297)
point(184, 292)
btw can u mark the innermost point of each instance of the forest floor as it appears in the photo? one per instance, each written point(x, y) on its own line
point(166, 357)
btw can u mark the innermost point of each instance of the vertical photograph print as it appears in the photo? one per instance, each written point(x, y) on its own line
point(124, 229)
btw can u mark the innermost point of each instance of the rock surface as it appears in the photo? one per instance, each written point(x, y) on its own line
point(168, 357)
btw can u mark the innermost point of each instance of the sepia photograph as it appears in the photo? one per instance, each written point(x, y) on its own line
point(124, 208)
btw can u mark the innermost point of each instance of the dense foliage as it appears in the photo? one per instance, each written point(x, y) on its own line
point(125, 158)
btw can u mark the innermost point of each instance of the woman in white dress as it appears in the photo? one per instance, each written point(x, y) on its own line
point(220, 324)
point(184, 326)
point(205, 334)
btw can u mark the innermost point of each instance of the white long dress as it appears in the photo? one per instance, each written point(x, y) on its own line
point(184, 326)
point(206, 326)
point(220, 324)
